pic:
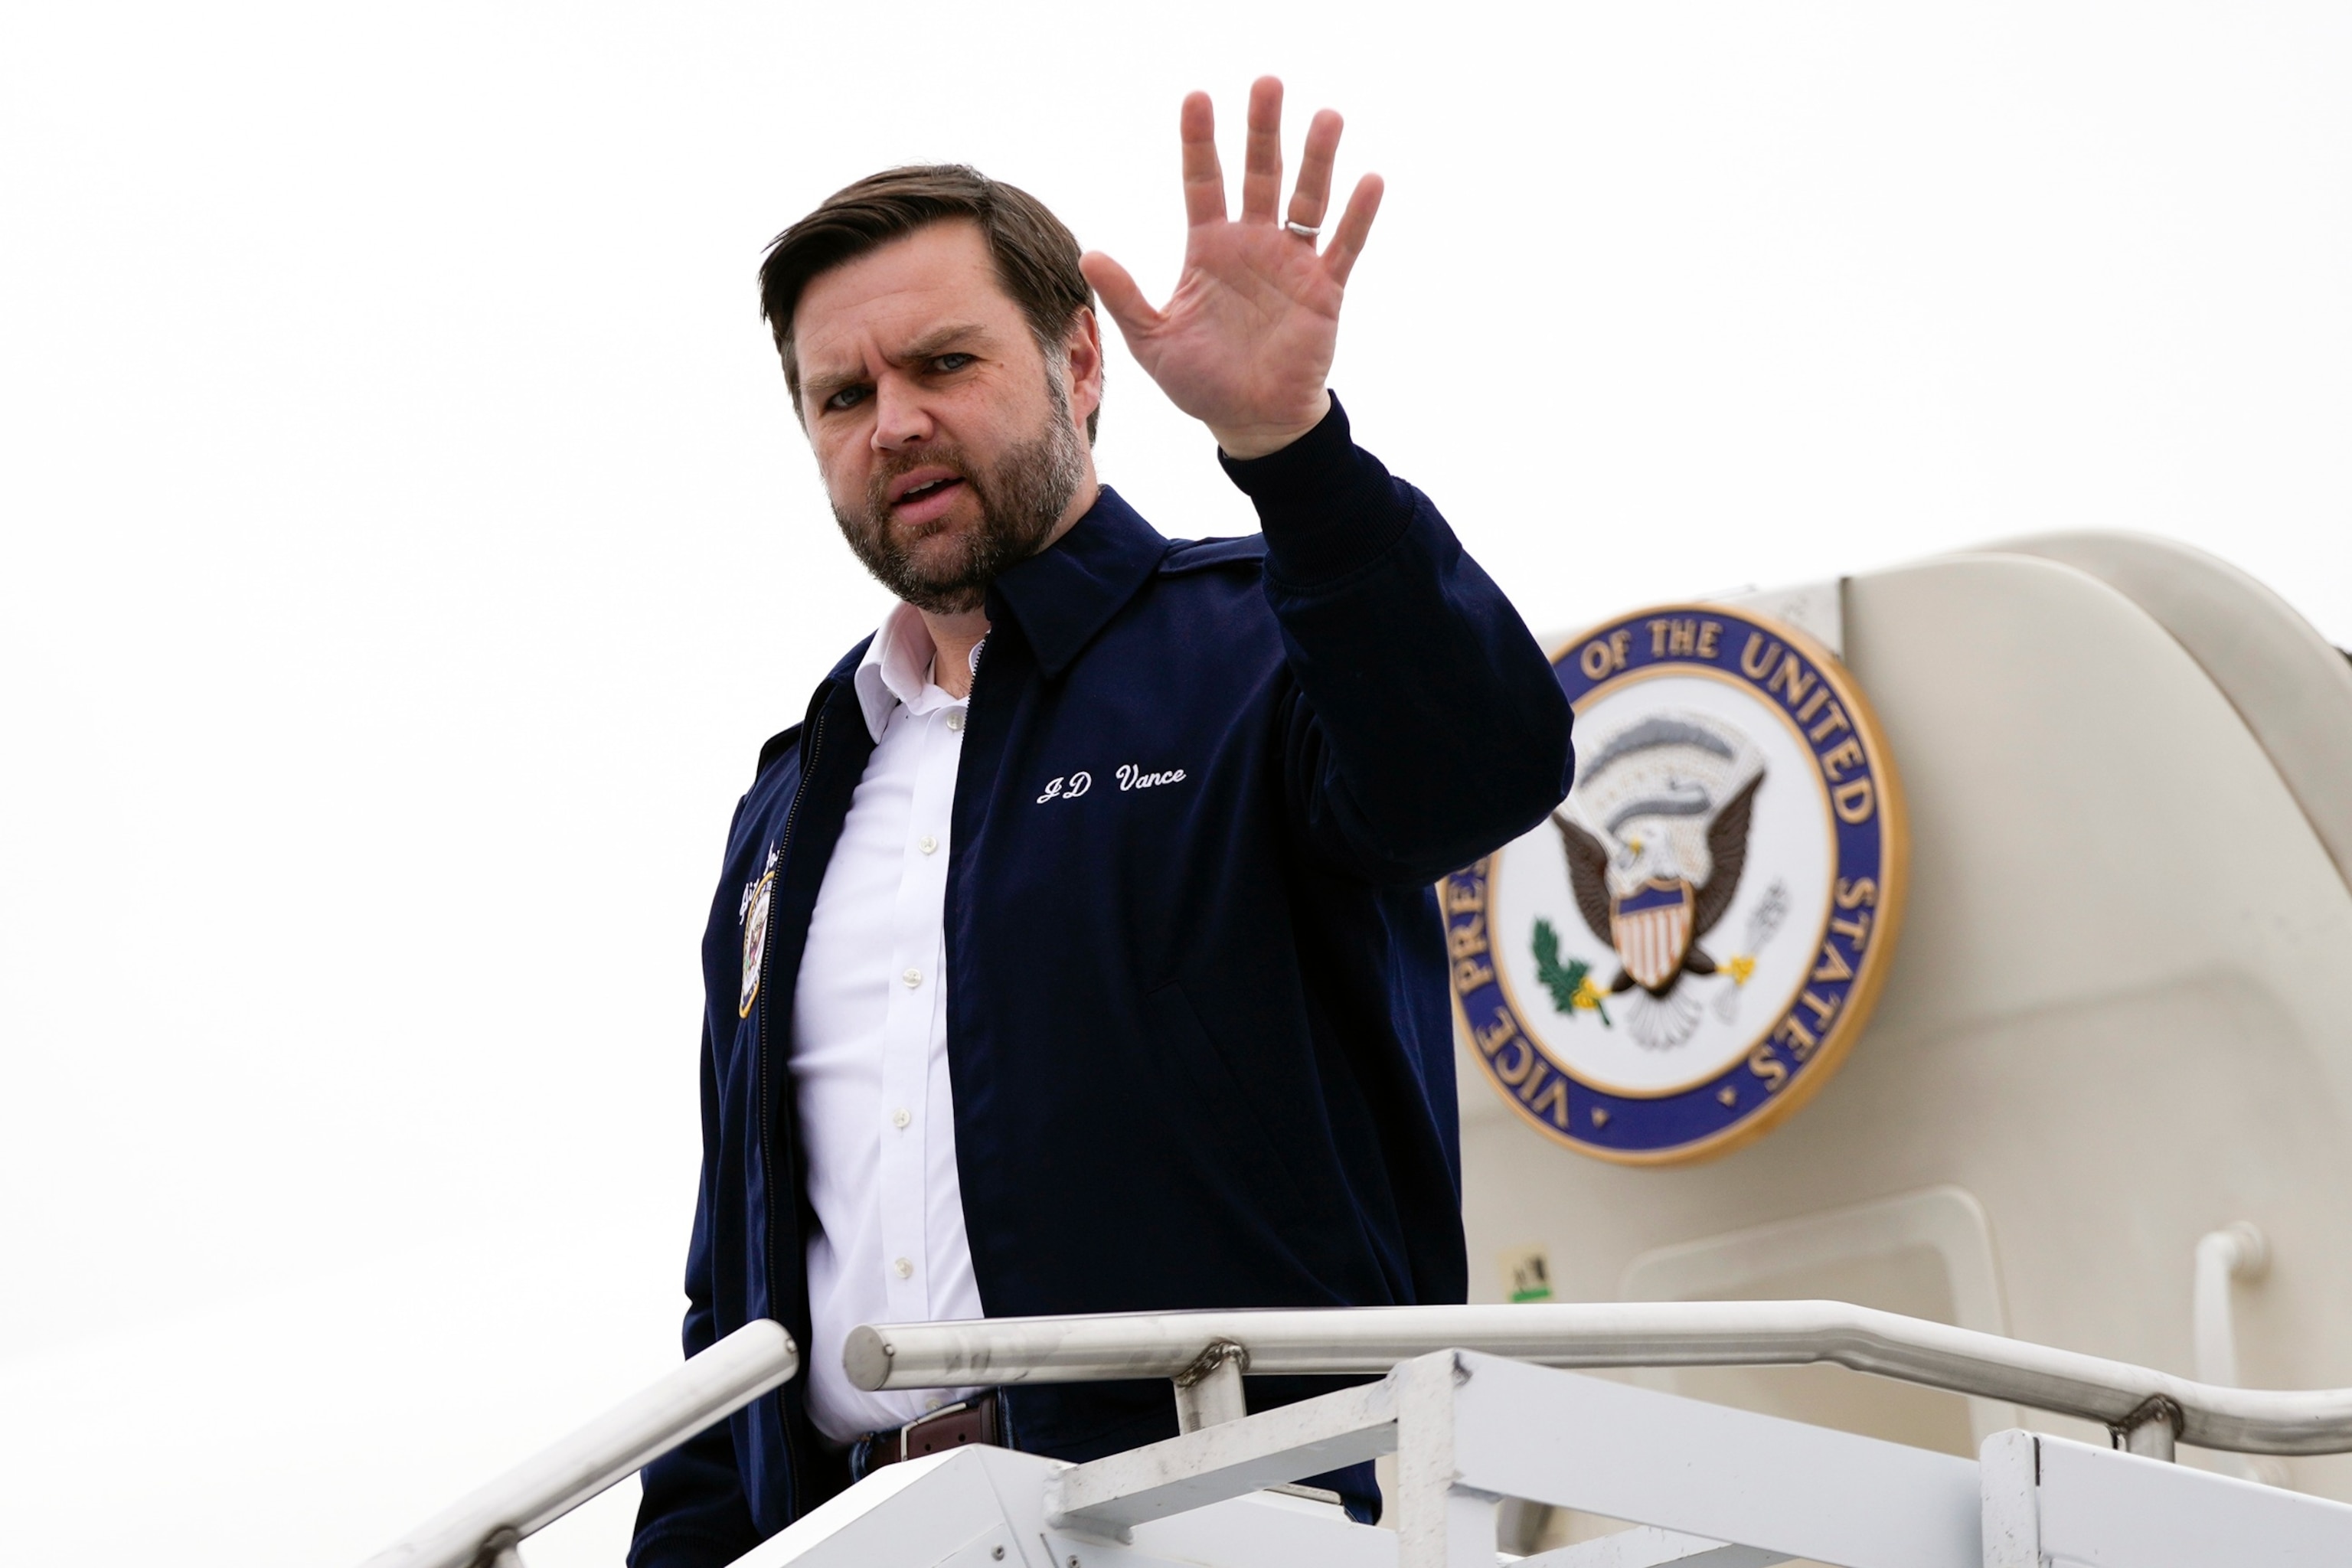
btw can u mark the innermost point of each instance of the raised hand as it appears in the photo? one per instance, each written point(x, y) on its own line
point(1244, 343)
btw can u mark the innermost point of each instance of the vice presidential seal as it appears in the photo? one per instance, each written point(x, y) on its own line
point(753, 915)
point(1682, 955)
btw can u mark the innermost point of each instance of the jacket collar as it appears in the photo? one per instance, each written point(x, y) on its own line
point(1063, 598)
point(778, 744)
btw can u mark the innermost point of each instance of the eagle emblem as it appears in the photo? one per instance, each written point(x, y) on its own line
point(1671, 797)
point(1683, 952)
point(753, 914)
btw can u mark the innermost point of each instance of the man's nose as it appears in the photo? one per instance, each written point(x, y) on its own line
point(900, 420)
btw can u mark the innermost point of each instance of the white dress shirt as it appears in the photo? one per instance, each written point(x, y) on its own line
point(869, 1056)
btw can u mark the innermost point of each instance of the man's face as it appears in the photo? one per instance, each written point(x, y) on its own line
point(950, 447)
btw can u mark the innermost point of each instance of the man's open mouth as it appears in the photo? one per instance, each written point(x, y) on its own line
point(925, 489)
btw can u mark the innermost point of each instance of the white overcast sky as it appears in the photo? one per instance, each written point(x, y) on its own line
point(405, 546)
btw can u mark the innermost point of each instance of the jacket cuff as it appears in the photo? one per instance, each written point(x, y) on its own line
point(1327, 506)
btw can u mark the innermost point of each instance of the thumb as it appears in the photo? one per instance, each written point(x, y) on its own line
point(1121, 297)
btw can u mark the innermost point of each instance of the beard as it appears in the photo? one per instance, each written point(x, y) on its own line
point(1022, 494)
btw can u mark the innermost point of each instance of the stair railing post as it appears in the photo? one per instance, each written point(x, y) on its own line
point(1209, 1391)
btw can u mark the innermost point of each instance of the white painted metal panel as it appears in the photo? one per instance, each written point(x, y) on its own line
point(956, 1509)
point(2294, 690)
point(1646, 1548)
point(2053, 1504)
point(1658, 1459)
point(1268, 1529)
point(1849, 1254)
point(1471, 1428)
point(909, 1515)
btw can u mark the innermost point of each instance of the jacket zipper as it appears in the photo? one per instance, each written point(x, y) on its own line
point(972, 692)
point(955, 841)
point(767, 1163)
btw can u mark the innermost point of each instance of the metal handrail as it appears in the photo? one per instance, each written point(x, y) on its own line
point(486, 1525)
point(1371, 1340)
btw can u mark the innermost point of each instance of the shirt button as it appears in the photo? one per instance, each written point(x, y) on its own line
point(906, 1269)
point(928, 844)
point(955, 719)
point(913, 977)
point(901, 1117)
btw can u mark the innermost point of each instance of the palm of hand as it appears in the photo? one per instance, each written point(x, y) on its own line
point(1247, 338)
point(1246, 341)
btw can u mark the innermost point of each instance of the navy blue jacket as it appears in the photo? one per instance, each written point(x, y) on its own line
point(1198, 1030)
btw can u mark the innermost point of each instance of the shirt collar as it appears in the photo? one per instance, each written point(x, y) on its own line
point(1064, 597)
point(898, 668)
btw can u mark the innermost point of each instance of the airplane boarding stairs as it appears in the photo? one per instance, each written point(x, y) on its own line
point(1474, 1403)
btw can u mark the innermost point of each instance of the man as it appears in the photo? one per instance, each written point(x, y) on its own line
point(1076, 953)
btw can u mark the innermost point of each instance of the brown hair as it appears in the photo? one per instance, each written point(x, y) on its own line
point(1035, 254)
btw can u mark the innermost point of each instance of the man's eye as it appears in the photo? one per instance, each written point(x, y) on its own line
point(847, 397)
point(950, 361)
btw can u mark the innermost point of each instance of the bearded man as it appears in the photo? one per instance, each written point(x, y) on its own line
point(1076, 953)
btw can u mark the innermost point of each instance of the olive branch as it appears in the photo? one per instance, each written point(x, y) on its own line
point(1571, 983)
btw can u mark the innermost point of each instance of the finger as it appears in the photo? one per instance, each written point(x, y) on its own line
point(1204, 181)
point(1312, 193)
point(1125, 301)
point(1262, 164)
point(1355, 226)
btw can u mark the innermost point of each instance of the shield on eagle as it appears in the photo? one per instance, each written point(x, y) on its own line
point(1651, 929)
point(1671, 797)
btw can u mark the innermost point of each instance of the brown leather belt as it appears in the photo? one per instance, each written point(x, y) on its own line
point(955, 1425)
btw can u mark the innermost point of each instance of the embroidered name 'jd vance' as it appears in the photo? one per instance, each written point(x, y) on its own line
point(1131, 777)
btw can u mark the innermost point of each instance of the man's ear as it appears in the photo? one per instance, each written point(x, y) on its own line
point(1082, 358)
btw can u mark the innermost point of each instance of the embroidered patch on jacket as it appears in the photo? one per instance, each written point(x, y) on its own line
point(752, 914)
point(1683, 954)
